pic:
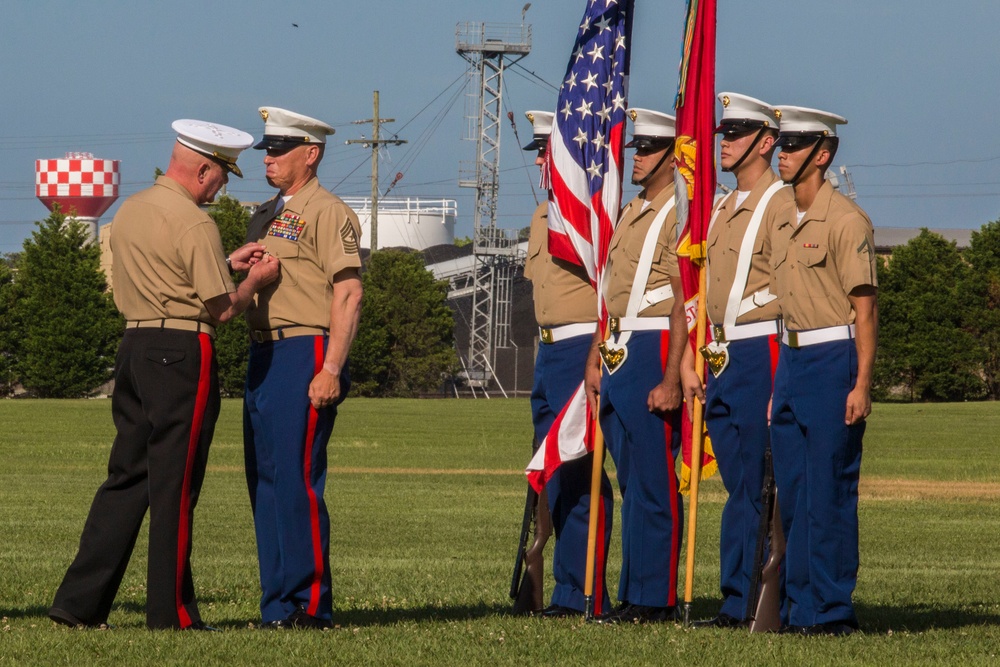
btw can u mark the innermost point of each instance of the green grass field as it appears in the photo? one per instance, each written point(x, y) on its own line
point(426, 500)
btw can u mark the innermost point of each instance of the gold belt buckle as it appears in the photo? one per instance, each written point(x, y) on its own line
point(793, 339)
point(613, 357)
point(716, 356)
point(614, 325)
point(547, 335)
point(718, 333)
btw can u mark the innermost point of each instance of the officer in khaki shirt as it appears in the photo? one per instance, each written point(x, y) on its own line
point(172, 284)
point(823, 271)
point(566, 313)
point(301, 328)
point(744, 318)
point(640, 392)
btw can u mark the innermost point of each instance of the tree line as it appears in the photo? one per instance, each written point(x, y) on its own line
point(939, 310)
point(59, 328)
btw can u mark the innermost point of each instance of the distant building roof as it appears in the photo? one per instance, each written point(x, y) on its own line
point(887, 238)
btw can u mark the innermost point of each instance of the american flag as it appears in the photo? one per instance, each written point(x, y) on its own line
point(584, 175)
point(586, 149)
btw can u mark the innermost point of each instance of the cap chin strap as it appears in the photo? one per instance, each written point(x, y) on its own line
point(666, 153)
point(812, 154)
point(760, 133)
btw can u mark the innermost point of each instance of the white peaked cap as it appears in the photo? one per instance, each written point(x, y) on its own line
point(744, 110)
point(650, 125)
point(284, 128)
point(217, 141)
point(541, 124)
point(800, 120)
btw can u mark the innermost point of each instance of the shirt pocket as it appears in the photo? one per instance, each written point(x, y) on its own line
point(287, 252)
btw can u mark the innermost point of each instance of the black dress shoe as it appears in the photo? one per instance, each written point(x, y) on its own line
point(721, 621)
point(63, 617)
point(301, 620)
point(200, 626)
point(828, 629)
point(559, 611)
point(637, 613)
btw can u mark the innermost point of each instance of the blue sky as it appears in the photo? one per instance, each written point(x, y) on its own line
point(912, 76)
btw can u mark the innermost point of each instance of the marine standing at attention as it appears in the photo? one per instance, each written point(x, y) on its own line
point(301, 331)
point(640, 394)
point(173, 286)
point(823, 272)
point(566, 314)
point(744, 324)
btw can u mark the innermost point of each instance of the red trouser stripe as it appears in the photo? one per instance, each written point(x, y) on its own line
point(184, 521)
point(774, 346)
point(314, 589)
point(599, 564)
point(675, 533)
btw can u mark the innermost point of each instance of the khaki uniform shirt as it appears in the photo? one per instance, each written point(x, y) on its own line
point(563, 293)
point(816, 264)
point(104, 240)
point(315, 236)
point(167, 256)
point(626, 246)
point(725, 239)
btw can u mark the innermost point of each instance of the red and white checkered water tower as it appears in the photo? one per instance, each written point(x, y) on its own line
point(84, 187)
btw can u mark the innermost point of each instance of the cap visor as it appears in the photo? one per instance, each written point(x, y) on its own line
point(797, 140)
point(279, 143)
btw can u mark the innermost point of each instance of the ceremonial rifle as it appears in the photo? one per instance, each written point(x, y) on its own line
point(764, 603)
point(526, 591)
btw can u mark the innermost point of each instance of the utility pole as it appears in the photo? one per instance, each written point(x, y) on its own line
point(375, 142)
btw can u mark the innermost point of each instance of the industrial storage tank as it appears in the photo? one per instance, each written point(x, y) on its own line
point(83, 186)
point(410, 222)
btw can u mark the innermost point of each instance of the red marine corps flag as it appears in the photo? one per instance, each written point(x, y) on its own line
point(583, 173)
point(694, 154)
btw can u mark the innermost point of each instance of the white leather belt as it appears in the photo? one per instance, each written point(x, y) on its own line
point(817, 336)
point(556, 334)
point(743, 331)
point(621, 324)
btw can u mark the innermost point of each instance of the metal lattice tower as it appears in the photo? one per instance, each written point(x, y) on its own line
point(489, 49)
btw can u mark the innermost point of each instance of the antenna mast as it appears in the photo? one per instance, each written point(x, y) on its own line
point(489, 49)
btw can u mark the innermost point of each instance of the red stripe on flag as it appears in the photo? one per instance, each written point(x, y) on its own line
point(184, 520)
point(599, 561)
point(675, 528)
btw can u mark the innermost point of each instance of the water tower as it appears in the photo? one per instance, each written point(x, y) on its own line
point(82, 186)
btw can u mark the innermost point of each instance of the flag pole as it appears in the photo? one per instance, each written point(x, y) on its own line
point(595, 506)
point(697, 444)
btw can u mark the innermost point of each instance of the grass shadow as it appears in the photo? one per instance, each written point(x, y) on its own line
point(882, 619)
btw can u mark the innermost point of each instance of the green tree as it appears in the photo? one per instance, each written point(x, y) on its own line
point(404, 343)
point(232, 339)
point(923, 347)
point(8, 339)
point(67, 323)
point(983, 293)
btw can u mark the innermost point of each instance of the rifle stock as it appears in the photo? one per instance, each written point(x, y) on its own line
point(527, 591)
point(522, 541)
point(529, 594)
point(764, 603)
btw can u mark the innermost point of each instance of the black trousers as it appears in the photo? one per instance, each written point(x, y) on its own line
point(165, 405)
